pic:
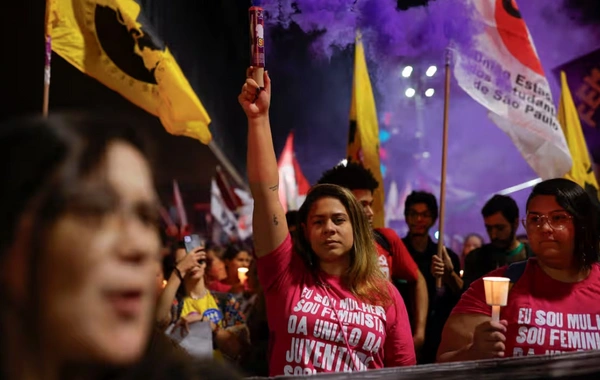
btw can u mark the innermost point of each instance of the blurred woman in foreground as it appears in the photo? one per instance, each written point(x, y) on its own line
point(78, 245)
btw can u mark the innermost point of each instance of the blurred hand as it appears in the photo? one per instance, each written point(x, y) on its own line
point(213, 326)
point(441, 266)
point(253, 100)
point(418, 340)
point(489, 340)
point(190, 261)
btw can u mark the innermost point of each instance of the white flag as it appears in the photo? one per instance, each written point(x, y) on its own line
point(502, 71)
point(238, 224)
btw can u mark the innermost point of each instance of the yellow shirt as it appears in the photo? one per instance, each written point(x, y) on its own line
point(205, 306)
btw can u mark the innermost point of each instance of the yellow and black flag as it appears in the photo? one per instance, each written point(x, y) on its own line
point(581, 171)
point(112, 41)
point(363, 141)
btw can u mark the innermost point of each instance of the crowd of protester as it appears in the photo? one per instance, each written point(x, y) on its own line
point(91, 289)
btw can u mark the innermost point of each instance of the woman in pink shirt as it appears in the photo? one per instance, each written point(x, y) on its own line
point(329, 307)
point(554, 304)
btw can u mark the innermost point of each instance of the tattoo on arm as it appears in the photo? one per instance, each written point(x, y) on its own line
point(275, 221)
point(274, 188)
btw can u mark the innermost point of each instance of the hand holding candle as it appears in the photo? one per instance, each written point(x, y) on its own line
point(496, 294)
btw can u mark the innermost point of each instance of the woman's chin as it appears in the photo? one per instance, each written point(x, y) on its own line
point(121, 348)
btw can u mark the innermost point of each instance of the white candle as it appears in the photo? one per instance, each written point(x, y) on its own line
point(242, 274)
point(496, 294)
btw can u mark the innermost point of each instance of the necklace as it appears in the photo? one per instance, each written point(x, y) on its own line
point(200, 296)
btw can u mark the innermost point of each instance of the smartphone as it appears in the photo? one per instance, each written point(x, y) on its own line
point(192, 242)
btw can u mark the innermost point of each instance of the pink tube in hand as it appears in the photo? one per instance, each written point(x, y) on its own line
point(257, 43)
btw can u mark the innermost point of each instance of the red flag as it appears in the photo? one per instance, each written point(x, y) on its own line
point(183, 221)
point(293, 186)
point(231, 199)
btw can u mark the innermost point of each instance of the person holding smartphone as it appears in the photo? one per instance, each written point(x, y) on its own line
point(195, 303)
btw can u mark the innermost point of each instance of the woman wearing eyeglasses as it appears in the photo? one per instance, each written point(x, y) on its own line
point(554, 304)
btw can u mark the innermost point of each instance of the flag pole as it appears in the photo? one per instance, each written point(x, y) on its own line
point(47, 62)
point(228, 165)
point(46, 100)
point(444, 161)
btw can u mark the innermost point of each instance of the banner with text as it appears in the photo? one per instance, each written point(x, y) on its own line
point(501, 70)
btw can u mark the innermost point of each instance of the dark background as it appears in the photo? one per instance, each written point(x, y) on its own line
point(209, 39)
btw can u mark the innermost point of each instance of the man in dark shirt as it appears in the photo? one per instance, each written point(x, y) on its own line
point(421, 212)
point(501, 218)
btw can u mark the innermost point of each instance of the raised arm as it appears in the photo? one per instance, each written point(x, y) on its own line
point(268, 221)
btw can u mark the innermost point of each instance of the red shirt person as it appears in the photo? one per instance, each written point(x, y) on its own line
point(554, 305)
point(329, 307)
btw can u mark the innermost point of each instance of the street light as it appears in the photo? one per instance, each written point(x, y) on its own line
point(407, 71)
point(410, 92)
point(429, 92)
point(431, 71)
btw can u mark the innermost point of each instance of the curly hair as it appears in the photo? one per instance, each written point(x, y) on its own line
point(352, 176)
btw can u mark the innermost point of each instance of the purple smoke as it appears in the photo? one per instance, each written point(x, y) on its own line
point(388, 33)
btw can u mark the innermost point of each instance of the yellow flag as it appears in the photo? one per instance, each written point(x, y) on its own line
point(581, 171)
point(363, 141)
point(51, 17)
point(112, 41)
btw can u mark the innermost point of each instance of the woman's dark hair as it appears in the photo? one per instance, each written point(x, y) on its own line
point(232, 250)
point(504, 205)
point(578, 203)
point(46, 160)
point(46, 166)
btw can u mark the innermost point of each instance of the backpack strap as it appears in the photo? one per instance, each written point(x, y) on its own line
point(383, 241)
point(515, 271)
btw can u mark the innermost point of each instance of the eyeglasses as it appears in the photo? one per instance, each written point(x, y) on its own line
point(415, 215)
point(557, 220)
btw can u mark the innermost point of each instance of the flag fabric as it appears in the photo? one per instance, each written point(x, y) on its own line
point(181, 214)
point(237, 225)
point(293, 186)
point(231, 199)
point(363, 140)
point(583, 78)
point(50, 20)
point(582, 171)
point(112, 41)
point(502, 71)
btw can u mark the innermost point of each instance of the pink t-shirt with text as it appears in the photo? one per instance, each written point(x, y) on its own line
point(544, 316)
point(317, 325)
